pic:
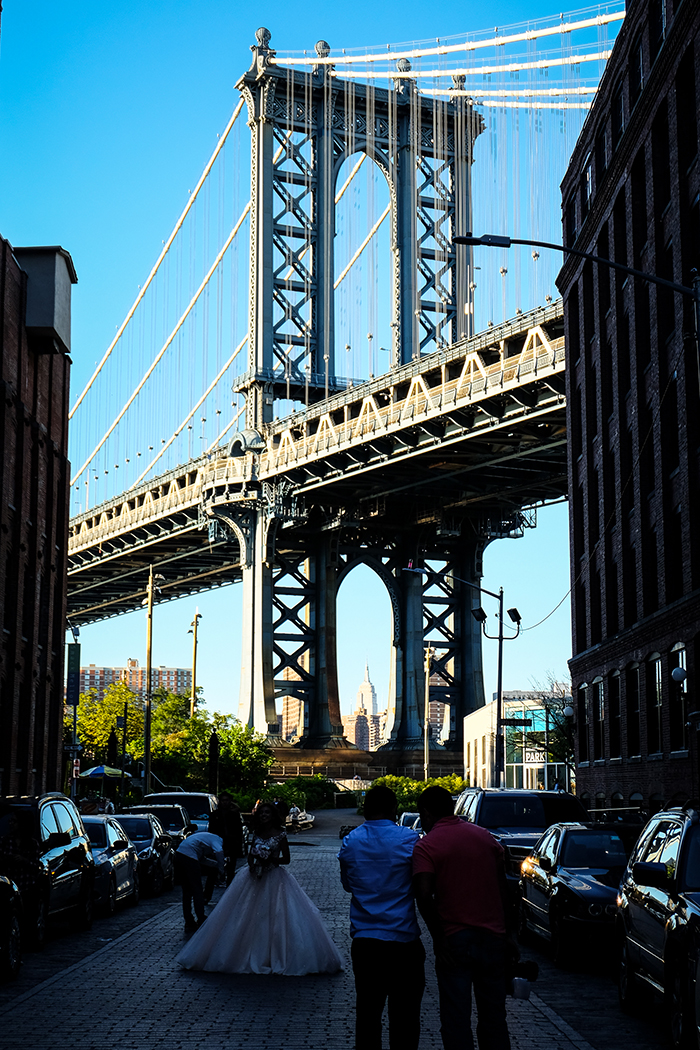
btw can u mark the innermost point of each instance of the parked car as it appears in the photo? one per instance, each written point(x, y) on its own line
point(116, 863)
point(174, 820)
point(407, 820)
point(154, 847)
point(199, 804)
point(659, 921)
point(56, 870)
point(10, 929)
point(569, 884)
point(517, 819)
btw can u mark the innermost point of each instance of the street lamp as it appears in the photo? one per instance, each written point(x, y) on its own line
point(148, 602)
point(193, 632)
point(492, 240)
point(480, 616)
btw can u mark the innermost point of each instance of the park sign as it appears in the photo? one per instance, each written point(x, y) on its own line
point(73, 675)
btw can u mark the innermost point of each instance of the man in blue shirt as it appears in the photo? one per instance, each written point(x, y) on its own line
point(387, 953)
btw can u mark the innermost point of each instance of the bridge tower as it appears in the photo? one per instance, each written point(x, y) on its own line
point(295, 553)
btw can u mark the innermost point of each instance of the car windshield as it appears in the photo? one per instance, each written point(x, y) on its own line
point(198, 808)
point(528, 811)
point(136, 827)
point(169, 818)
point(593, 849)
point(96, 833)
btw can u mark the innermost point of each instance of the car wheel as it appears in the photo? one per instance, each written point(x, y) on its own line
point(135, 895)
point(11, 947)
point(83, 909)
point(522, 927)
point(681, 1019)
point(627, 990)
point(37, 932)
point(111, 900)
point(561, 952)
point(157, 880)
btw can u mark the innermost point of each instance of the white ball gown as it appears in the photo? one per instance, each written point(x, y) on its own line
point(264, 923)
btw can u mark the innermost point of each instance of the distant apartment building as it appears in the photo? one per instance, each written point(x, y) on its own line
point(174, 679)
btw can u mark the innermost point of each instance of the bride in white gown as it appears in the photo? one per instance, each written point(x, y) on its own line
point(264, 922)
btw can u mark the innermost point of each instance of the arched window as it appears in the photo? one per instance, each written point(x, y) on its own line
point(632, 707)
point(583, 723)
point(654, 704)
point(614, 731)
point(678, 698)
point(656, 803)
point(598, 705)
point(617, 800)
point(637, 800)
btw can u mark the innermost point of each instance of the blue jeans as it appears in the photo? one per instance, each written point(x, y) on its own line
point(479, 960)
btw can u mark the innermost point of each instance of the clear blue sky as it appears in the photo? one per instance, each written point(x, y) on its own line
point(108, 114)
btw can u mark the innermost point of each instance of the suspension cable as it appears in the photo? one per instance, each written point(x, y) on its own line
point(364, 244)
point(509, 67)
point(192, 303)
point(166, 248)
point(446, 49)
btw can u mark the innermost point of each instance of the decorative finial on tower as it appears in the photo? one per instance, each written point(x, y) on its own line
point(459, 80)
point(323, 50)
point(401, 84)
point(262, 52)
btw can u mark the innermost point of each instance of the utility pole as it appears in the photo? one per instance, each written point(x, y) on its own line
point(193, 632)
point(149, 680)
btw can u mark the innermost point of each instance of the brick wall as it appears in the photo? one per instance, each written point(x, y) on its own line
point(631, 194)
point(34, 483)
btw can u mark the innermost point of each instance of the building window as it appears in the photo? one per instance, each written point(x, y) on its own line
point(601, 155)
point(657, 26)
point(571, 220)
point(632, 698)
point(598, 704)
point(583, 723)
point(678, 693)
point(654, 702)
point(636, 72)
point(586, 187)
point(614, 708)
point(618, 117)
point(617, 800)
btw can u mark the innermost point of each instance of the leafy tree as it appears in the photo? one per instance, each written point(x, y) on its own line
point(98, 718)
point(408, 791)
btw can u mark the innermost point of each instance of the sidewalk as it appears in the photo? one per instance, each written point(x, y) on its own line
point(132, 995)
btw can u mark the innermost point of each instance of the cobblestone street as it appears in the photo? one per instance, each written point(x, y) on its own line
point(119, 985)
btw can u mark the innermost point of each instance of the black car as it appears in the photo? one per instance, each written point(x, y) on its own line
point(174, 820)
point(116, 863)
point(45, 849)
point(154, 847)
point(199, 804)
point(659, 921)
point(10, 930)
point(569, 883)
point(517, 819)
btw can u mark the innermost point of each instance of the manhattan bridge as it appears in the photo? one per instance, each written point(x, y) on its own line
point(314, 376)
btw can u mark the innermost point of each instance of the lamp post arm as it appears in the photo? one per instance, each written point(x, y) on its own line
point(493, 241)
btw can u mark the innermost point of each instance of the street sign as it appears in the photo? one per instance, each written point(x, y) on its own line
point(516, 721)
point(72, 748)
point(73, 675)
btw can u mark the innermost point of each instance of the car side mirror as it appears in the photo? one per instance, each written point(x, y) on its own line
point(120, 844)
point(55, 840)
point(647, 873)
point(164, 840)
point(546, 864)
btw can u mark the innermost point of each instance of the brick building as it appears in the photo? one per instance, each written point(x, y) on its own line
point(35, 295)
point(174, 679)
point(631, 194)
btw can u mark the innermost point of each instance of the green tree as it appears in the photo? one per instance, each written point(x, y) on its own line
point(98, 717)
point(407, 790)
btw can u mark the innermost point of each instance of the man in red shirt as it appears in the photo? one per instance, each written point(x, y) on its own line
point(460, 886)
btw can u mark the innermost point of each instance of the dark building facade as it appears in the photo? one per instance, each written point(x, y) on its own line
point(35, 294)
point(631, 194)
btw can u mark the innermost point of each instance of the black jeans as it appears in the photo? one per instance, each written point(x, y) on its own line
point(479, 962)
point(392, 970)
point(190, 875)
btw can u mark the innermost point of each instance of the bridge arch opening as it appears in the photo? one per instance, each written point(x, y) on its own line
point(364, 269)
point(364, 650)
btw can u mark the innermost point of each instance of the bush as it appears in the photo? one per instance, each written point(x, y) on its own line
point(407, 791)
point(308, 793)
